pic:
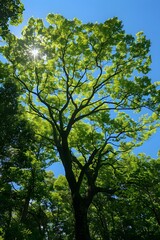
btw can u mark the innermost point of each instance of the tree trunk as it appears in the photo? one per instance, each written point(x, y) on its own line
point(80, 204)
point(81, 223)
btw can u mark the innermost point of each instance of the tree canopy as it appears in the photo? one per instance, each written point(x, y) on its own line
point(85, 90)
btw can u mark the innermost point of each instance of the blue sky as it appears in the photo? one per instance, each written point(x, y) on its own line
point(136, 15)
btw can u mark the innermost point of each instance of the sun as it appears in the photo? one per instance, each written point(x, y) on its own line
point(34, 52)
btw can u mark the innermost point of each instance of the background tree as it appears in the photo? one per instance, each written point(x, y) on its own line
point(132, 213)
point(22, 163)
point(10, 13)
point(79, 81)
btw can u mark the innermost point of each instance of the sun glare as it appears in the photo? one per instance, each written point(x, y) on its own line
point(34, 52)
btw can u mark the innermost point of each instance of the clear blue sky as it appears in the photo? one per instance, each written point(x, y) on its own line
point(136, 15)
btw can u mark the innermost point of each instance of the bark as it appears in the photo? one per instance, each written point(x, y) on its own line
point(81, 222)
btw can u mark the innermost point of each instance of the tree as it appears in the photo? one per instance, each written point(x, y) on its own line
point(22, 163)
point(10, 12)
point(133, 213)
point(82, 85)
